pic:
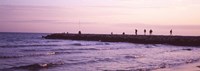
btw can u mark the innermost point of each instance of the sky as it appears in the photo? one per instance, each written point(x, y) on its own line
point(101, 16)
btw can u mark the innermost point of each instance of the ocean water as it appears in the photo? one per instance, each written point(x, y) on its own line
point(31, 52)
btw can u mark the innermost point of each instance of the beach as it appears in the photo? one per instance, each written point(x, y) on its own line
point(187, 67)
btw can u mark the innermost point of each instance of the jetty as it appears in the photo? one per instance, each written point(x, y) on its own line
point(140, 39)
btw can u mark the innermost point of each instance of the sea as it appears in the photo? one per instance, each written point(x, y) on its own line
point(31, 52)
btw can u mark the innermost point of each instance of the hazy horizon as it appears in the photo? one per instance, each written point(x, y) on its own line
point(101, 16)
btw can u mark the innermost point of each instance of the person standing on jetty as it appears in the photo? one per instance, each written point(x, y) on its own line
point(145, 31)
point(150, 32)
point(79, 32)
point(171, 32)
point(136, 31)
point(123, 33)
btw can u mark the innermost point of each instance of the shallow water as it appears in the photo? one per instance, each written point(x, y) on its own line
point(30, 52)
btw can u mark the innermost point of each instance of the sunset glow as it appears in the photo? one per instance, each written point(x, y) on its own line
point(101, 16)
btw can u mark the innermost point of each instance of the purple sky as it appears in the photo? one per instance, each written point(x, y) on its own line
point(101, 16)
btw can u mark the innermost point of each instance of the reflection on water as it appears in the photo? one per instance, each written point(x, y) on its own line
point(25, 52)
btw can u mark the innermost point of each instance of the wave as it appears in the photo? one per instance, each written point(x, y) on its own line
point(155, 66)
point(36, 55)
point(102, 43)
point(130, 57)
point(76, 49)
point(141, 69)
point(89, 61)
point(37, 66)
point(58, 50)
point(146, 67)
point(43, 45)
point(87, 49)
point(77, 44)
point(83, 44)
point(20, 56)
point(14, 46)
point(52, 41)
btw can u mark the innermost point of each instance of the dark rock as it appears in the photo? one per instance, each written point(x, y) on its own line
point(188, 49)
point(198, 66)
point(35, 66)
point(130, 57)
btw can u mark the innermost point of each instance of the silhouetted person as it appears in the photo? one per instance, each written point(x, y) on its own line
point(111, 33)
point(67, 33)
point(145, 31)
point(150, 32)
point(79, 32)
point(136, 31)
point(171, 32)
point(123, 33)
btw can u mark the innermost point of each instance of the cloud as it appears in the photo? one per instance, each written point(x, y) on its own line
point(44, 22)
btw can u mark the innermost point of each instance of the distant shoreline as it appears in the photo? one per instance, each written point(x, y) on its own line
point(94, 33)
point(26, 32)
point(141, 39)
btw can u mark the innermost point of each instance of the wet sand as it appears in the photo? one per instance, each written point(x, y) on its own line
point(187, 67)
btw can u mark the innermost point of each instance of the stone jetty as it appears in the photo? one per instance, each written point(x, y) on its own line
point(140, 39)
